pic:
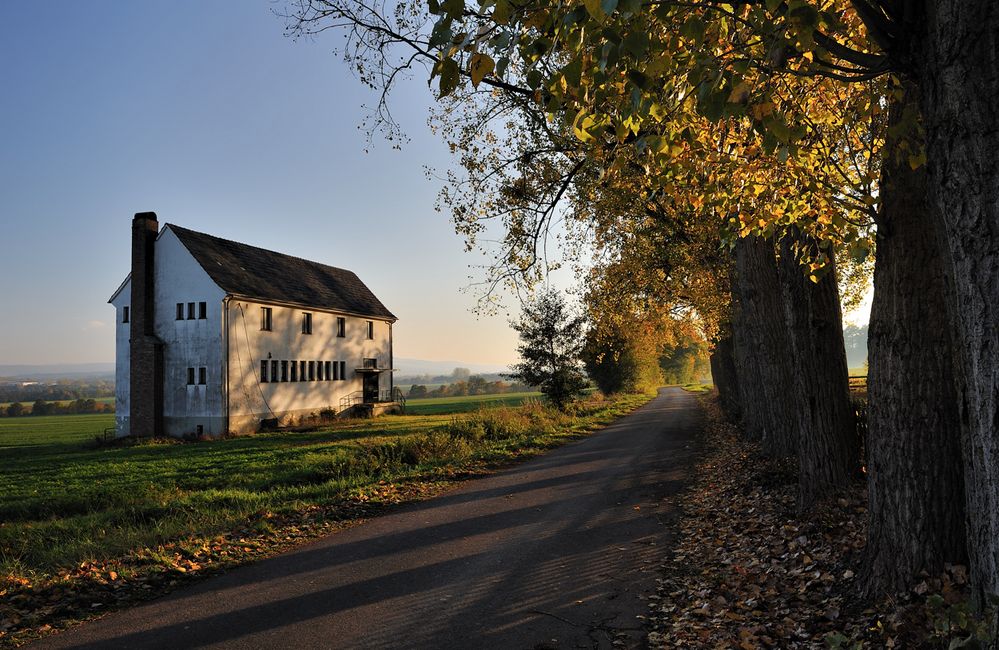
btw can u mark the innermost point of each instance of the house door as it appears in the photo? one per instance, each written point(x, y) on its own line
point(370, 387)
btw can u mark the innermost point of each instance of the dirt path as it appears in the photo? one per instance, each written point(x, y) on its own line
point(558, 552)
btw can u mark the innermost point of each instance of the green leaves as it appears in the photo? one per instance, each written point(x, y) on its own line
point(449, 76)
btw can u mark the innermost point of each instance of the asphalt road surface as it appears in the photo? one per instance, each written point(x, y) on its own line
point(558, 552)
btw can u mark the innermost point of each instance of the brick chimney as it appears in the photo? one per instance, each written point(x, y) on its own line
point(146, 350)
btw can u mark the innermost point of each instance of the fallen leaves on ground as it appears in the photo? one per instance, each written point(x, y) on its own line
point(747, 572)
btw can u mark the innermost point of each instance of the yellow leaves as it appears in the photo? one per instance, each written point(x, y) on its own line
point(918, 159)
point(740, 94)
point(479, 66)
point(761, 110)
point(585, 125)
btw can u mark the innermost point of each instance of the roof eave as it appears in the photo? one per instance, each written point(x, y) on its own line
point(301, 305)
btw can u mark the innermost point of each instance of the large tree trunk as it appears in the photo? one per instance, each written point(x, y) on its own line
point(760, 300)
point(958, 72)
point(828, 448)
point(724, 375)
point(914, 440)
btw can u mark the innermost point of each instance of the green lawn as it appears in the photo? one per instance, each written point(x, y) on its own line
point(66, 500)
point(465, 403)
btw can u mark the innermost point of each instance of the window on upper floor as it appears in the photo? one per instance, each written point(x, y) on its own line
point(371, 329)
point(190, 311)
point(301, 372)
point(202, 376)
point(124, 314)
point(327, 367)
point(274, 371)
point(202, 310)
point(180, 311)
point(294, 370)
point(343, 371)
point(341, 326)
point(312, 371)
point(263, 371)
point(266, 321)
point(190, 376)
point(284, 370)
point(306, 323)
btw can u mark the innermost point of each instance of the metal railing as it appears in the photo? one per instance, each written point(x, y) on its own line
point(357, 397)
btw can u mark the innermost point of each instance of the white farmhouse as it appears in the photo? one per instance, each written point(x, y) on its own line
point(214, 336)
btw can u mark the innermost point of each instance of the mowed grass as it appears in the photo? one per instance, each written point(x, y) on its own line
point(465, 403)
point(64, 500)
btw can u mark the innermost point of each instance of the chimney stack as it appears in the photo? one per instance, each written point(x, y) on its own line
point(146, 350)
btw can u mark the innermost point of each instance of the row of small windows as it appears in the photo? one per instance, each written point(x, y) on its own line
point(202, 376)
point(202, 311)
point(274, 371)
point(267, 323)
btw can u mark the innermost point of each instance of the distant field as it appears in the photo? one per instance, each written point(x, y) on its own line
point(31, 431)
point(99, 400)
point(465, 403)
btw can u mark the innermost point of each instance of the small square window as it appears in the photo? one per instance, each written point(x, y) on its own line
point(263, 371)
point(327, 366)
point(190, 376)
point(202, 310)
point(371, 330)
point(341, 326)
point(284, 371)
point(274, 371)
point(265, 319)
point(124, 314)
point(180, 311)
point(294, 370)
point(306, 323)
point(202, 376)
point(190, 311)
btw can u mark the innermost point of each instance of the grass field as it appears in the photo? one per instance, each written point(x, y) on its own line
point(65, 500)
point(463, 404)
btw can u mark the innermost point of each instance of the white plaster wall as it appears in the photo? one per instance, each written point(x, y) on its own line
point(250, 400)
point(122, 331)
point(188, 343)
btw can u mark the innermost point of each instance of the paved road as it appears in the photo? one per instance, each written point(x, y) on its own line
point(555, 553)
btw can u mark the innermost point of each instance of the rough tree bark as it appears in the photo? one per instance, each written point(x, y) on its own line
point(762, 313)
point(828, 448)
point(724, 375)
point(756, 412)
point(914, 442)
point(958, 73)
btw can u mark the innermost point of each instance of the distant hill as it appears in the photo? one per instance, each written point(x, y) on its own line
point(413, 367)
point(56, 371)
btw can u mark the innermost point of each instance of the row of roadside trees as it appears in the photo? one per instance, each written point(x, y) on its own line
point(737, 168)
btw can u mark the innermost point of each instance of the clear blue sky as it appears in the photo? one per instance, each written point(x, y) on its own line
point(204, 112)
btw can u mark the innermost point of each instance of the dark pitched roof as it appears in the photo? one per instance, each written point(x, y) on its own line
point(252, 272)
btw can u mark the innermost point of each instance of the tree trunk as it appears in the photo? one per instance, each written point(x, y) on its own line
point(756, 412)
point(724, 375)
point(828, 448)
point(958, 73)
point(761, 304)
point(914, 445)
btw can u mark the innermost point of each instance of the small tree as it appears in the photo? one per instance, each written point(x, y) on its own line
point(551, 338)
point(15, 409)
